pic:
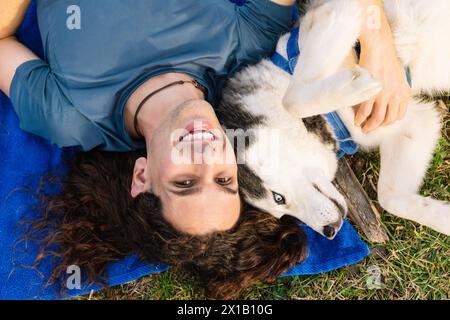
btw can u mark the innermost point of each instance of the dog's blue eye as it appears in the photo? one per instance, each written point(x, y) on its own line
point(278, 198)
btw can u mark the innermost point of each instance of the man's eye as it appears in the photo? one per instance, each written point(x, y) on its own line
point(278, 198)
point(184, 183)
point(223, 181)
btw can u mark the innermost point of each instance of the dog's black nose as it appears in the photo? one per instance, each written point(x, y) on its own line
point(329, 231)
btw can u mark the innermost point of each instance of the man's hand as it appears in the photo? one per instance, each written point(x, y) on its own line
point(379, 57)
point(11, 15)
point(284, 2)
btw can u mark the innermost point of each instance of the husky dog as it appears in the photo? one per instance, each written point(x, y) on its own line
point(295, 178)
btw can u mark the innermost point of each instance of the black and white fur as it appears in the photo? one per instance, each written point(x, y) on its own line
point(289, 151)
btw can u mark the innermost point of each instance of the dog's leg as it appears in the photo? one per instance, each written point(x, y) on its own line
point(345, 88)
point(404, 160)
point(317, 85)
point(327, 35)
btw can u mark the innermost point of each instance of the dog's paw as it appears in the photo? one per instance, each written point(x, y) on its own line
point(441, 210)
point(345, 88)
point(356, 86)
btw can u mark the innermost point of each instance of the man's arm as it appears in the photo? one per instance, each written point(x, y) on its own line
point(379, 56)
point(284, 2)
point(11, 15)
point(12, 53)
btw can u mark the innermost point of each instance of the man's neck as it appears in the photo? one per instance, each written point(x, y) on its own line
point(155, 110)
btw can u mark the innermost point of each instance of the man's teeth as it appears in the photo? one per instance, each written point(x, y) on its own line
point(198, 136)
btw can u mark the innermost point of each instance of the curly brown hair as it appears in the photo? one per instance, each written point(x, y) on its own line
point(94, 221)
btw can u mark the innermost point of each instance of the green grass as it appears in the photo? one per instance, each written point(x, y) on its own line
point(414, 263)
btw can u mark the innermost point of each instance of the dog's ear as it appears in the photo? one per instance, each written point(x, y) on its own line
point(250, 183)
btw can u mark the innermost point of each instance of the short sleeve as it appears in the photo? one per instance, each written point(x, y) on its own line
point(43, 108)
point(260, 25)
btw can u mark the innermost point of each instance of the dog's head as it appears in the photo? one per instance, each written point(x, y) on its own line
point(296, 180)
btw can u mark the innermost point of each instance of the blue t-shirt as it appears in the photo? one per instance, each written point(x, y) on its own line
point(99, 52)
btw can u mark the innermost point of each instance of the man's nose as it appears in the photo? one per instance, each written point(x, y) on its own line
point(201, 151)
point(211, 152)
point(203, 147)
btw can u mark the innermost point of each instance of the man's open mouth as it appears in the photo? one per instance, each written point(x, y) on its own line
point(199, 131)
point(198, 135)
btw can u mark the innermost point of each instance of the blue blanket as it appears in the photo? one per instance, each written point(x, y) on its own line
point(24, 158)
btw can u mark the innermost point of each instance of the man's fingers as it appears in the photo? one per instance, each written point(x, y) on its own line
point(364, 111)
point(377, 117)
point(392, 112)
point(402, 110)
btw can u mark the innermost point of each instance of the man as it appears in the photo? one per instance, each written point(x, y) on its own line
point(120, 75)
point(98, 70)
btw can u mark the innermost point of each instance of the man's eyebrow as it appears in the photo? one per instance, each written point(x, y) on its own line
point(229, 190)
point(187, 192)
point(191, 191)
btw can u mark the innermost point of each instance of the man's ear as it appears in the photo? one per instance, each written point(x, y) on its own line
point(140, 182)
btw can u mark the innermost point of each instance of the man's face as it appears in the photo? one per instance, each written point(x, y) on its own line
point(191, 167)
